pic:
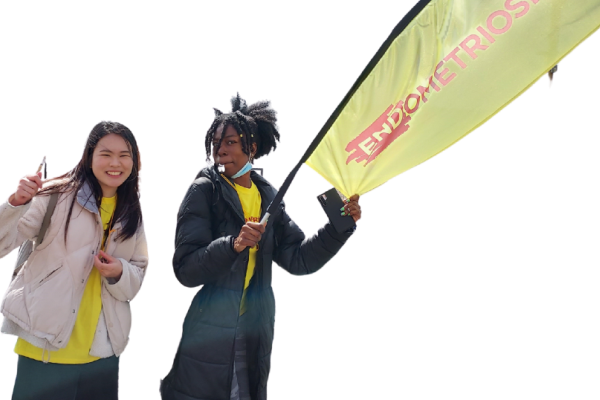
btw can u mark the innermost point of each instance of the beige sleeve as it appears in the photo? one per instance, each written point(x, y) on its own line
point(134, 271)
point(21, 223)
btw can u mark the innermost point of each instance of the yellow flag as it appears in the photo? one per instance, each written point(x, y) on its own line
point(448, 67)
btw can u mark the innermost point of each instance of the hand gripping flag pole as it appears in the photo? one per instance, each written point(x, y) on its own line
point(408, 17)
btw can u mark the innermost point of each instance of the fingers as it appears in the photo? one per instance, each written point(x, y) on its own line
point(249, 236)
point(256, 226)
point(108, 259)
point(28, 187)
point(352, 208)
point(108, 266)
point(32, 181)
point(355, 213)
point(98, 264)
point(241, 243)
point(252, 231)
point(353, 199)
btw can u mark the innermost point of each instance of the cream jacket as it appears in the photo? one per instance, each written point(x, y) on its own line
point(41, 303)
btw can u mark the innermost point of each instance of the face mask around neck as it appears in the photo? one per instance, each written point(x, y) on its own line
point(242, 171)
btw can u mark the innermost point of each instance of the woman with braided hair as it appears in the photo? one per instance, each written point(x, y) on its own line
point(225, 349)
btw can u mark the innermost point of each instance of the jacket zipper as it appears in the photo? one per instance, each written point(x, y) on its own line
point(236, 211)
point(232, 366)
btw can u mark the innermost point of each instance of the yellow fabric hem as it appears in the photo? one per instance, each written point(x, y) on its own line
point(53, 358)
point(84, 330)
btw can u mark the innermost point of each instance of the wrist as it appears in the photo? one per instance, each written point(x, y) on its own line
point(238, 247)
point(233, 244)
point(12, 201)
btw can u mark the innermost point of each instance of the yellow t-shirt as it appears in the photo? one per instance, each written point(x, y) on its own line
point(77, 350)
point(251, 203)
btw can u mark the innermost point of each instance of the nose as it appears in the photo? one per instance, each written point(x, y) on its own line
point(115, 161)
point(222, 152)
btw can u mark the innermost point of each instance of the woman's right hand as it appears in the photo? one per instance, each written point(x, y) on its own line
point(249, 236)
point(28, 187)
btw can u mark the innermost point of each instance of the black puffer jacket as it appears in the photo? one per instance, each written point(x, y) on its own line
point(209, 217)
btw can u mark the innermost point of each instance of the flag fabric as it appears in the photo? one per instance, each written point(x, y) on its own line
point(447, 67)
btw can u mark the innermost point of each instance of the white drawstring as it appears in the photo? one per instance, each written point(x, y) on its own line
point(44, 351)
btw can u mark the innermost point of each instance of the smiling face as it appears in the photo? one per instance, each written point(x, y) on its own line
point(230, 154)
point(111, 163)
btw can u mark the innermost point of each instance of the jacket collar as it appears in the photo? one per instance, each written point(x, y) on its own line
point(86, 199)
point(267, 191)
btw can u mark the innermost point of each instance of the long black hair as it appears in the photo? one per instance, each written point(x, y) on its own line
point(128, 209)
point(255, 123)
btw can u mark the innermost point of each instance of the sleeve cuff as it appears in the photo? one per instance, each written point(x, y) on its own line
point(120, 289)
point(22, 206)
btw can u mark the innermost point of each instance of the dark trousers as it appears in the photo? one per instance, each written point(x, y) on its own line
point(240, 387)
point(96, 380)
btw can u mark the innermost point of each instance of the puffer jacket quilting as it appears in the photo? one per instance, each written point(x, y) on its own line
point(209, 218)
point(31, 306)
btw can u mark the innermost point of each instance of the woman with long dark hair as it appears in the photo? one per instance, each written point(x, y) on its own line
point(69, 303)
point(225, 349)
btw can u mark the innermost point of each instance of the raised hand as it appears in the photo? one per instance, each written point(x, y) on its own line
point(28, 187)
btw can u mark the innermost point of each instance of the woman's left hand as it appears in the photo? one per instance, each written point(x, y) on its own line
point(352, 208)
point(108, 266)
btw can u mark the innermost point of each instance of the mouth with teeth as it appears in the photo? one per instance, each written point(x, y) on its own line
point(114, 173)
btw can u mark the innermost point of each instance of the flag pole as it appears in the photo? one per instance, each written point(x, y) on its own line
point(403, 23)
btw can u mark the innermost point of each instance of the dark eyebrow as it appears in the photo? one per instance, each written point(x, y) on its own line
point(109, 151)
point(233, 135)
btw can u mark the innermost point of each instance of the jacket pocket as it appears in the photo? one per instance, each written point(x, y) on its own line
point(45, 278)
point(49, 300)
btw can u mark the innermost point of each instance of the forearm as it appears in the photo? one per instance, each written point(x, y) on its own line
point(10, 236)
point(197, 265)
point(126, 286)
point(129, 283)
point(310, 255)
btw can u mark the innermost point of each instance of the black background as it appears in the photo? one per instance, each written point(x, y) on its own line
point(435, 256)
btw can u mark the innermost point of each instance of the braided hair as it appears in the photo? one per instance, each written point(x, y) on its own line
point(255, 123)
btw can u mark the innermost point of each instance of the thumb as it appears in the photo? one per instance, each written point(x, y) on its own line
point(106, 256)
point(39, 174)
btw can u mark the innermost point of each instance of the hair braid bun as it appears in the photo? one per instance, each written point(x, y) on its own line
point(266, 121)
point(256, 123)
point(238, 104)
